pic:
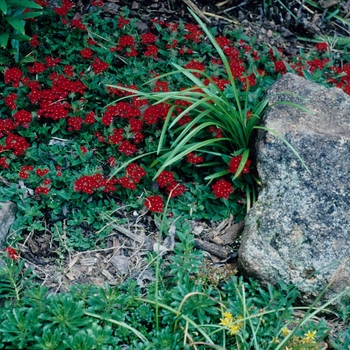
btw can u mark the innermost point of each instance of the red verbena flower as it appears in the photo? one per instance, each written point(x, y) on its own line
point(321, 46)
point(126, 40)
point(12, 253)
point(23, 117)
point(165, 178)
point(195, 65)
point(76, 23)
point(127, 148)
point(154, 204)
point(42, 190)
point(280, 67)
point(151, 50)
point(135, 172)
point(175, 189)
point(42, 172)
point(74, 123)
point(34, 41)
point(37, 67)
point(222, 189)
point(10, 101)
point(17, 143)
point(13, 75)
point(66, 6)
point(122, 22)
point(148, 38)
point(3, 162)
point(234, 164)
point(86, 53)
point(52, 62)
point(99, 66)
point(194, 159)
point(90, 118)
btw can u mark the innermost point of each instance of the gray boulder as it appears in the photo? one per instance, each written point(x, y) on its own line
point(298, 231)
point(7, 217)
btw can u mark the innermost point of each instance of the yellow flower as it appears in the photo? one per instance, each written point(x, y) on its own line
point(309, 337)
point(228, 315)
point(234, 328)
point(225, 321)
point(285, 331)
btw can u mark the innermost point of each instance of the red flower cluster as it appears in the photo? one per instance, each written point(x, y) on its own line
point(122, 22)
point(216, 132)
point(151, 50)
point(134, 174)
point(234, 164)
point(3, 162)
point(91, 183)
point(66, 6)
point(153, 113)
point(42, 190)
point(317, 64)
point(24, 172)
point(194, 159)
point(221, 83)
point(10, 101)
point(223, 41)
point(194, 33)
point(77, 23)
point(12, 253)
point(34, 41)
point(23, 117)
point(280, 67)
point(86, 53)
point(154, 204)
point(127, 148)
point(195, 65)
point(148, 38)
point(90, 118)
point(17, 143)
point(175, 189)
point(237, 68)
point(13, 75)
point(42, 172)
point(37, 68)
point(222, 189)
point(52, 62)
point(99, 66)
point(165, 178)
point(321, 46)
point(75, 123)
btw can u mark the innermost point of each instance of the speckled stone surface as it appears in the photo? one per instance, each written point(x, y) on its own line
point(7, 217)
point(299, 229)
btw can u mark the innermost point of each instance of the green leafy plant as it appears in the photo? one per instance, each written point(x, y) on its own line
point(13, 16)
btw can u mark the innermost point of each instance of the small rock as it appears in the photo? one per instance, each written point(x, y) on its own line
point(121, 263)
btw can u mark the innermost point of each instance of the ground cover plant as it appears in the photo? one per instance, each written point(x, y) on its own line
point(190, 310)
point(76, 144)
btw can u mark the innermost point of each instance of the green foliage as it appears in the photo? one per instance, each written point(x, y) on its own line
point(240, 314)
point(12, 26)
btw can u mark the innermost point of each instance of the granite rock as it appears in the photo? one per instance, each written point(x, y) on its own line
point(298, 231)
point(7, 217)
